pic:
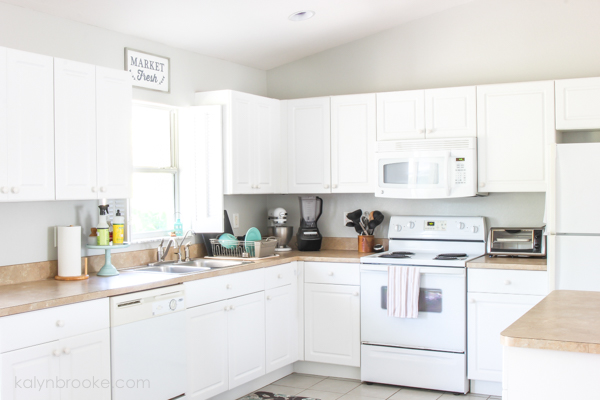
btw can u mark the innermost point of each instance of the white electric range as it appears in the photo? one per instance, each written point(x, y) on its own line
point(428, 351)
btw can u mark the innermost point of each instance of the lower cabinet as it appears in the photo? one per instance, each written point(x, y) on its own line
point(68, 369)
point(332, 324)
point(226, 345)
point(281, 327)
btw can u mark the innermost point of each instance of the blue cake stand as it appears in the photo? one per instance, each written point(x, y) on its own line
point(108, 269)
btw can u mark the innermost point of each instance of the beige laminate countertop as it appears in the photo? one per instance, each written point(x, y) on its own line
point(526, 264)
point(566, 320)
point(30, 296)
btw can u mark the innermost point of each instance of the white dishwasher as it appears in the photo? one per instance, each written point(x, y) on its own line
point(147, 335)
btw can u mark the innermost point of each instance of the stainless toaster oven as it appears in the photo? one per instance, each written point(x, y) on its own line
point(529, 242)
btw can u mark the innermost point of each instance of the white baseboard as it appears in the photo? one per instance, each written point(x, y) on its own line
point(338, 371)
point(258, 383)
point(486, 387)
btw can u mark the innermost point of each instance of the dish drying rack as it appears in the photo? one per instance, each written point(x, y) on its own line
point(243, 249)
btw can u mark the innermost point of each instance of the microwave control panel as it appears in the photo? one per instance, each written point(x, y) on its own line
point(434, 226)
point(460, 171)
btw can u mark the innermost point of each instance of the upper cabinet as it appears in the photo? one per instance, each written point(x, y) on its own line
point(578, 104)
point(515, 123)
point(431, 113)
point(252, 134)
point(308, 136)
point(353, 139)
point(27, 126)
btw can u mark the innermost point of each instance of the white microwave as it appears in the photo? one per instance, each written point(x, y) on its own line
point(427, 168)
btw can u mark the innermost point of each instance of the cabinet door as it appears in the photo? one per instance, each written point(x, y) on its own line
point(246, 333)
point(266, 146)
point(4, 189)
point(401, 115)
point(515, 123)
point(451, 112)
point(353, 127)
point(31, 373)
point(332, 324)
point(30, 120)
point(281, 327)
point(201, 167)
point(488, 315)
point(309, 158)
point(113, 116)
point(578, 104)
point(207, 350)
point(75, 130)
point(243, 128)
point(85, 359)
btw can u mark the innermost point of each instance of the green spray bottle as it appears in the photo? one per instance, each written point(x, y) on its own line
point(103, 234)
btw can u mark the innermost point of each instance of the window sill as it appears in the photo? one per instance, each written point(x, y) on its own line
point(155, 239)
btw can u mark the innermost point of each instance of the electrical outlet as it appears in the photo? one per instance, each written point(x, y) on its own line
point(236, 220)
point(346, 220)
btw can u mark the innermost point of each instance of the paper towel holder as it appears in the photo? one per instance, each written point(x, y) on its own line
point(75, 278)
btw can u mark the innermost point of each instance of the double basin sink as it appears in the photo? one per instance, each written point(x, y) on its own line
point(188, 267)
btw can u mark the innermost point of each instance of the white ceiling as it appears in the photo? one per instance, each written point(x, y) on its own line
point(256, 33)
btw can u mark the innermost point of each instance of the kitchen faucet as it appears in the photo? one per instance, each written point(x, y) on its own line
point(162, 253)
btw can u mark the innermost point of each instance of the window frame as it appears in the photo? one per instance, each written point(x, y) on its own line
point(172, 169)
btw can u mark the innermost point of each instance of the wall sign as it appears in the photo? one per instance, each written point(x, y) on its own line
point(148, 70)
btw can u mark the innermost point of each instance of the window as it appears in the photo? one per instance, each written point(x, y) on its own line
point(154, 200)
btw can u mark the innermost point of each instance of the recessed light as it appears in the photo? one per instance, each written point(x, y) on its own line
point(301, 15)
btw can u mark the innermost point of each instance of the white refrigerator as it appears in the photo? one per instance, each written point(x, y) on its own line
point(577, 248)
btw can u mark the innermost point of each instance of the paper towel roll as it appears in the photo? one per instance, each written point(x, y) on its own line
point(69, 250)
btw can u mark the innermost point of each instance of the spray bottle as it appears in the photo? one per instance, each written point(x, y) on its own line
point(103, 234)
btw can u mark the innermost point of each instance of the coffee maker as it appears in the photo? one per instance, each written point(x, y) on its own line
point(308, 237)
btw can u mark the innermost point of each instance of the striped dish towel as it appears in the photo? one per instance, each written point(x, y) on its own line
point(403, 291)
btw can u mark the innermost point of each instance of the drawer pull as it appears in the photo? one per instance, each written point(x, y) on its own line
point(228, 286)
point(507, 282)
point(226, 308)
point(471, 301)
point(56, 353)
point(330, 274)
point(231, 307)
point(279, 276)
point(67, 350)
point(60, 323)
point(356, 293)
point(268, 297)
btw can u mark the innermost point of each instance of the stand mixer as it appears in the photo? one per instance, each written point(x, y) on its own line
point(277, 218)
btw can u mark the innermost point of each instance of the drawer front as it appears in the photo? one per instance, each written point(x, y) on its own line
point(333, 273)
point(507, 281)
point(279, 275)
point(219, 288)
point(35, 327)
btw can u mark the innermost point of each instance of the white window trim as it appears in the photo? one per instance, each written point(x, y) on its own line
point(173, 169)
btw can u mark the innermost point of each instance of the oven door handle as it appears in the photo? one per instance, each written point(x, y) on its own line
point(423, 270)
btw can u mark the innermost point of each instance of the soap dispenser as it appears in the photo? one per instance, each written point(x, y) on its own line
point(178, 227)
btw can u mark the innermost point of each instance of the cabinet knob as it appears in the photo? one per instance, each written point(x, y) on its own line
point(507, 282)
point(326, 186)
point(56, 353)
point(231, 307)
point(279, 276)
point(60, 323)
point(103, 189)
point(228, 286)
point(330, 274)
point(356, 293)
point(4, 189)
point(268, 297)
point(93, 189)
point(67, 350)
point(15, 190)
point(422, 131)
point(482, 184)
point(335, 186)
point(226, 308)
point(429, 131)
point(258, 186)
point(471, 300)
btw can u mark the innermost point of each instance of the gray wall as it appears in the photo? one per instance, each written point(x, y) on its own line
point(25, 232)
point(500, 209)
point(484, 41)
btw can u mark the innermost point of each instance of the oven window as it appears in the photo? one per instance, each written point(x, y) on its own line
point(396, 173)
point(430, 300)
point(428, 173)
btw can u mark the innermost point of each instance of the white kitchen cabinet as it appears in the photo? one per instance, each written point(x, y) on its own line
point(353, 139)
point(4, 188)
point(207, 349)
point(401, 115)
point(515, 125)
point(113, 130)
point(77, 362)
point(75, 130)
point(427, 114)
point(246, 335)
point(309, 146)
point(488, 315)
point(281, 327)
point(201, 167)
point(251, 138)
point(29, 127)
point(578, 104)
point(332, 324)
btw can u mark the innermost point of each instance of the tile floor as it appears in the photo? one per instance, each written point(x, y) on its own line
point(324, 388)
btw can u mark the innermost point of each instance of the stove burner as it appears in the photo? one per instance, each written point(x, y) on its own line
point(397, 254)
point(450, 256)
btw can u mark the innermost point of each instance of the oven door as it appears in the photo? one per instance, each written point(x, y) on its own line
point(441, 324)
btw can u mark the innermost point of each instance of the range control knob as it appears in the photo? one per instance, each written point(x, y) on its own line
point(460, 225)
point(411, 225)
point(173, 304)
point(475, 229)
point(398, 228)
